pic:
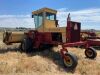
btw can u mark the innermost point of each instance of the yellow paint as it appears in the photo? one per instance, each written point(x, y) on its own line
point(15, 37)
point(49, 24)
point(44, 10)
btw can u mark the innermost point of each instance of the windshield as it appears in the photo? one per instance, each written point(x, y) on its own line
point(38, 20)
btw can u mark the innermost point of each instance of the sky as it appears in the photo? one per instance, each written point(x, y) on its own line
point(17, 13)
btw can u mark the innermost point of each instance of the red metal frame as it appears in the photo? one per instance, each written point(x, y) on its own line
point(73, 37)
point(92, 38)
point(94, 42)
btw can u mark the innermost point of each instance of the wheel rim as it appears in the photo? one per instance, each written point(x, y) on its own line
point(68, 62)
point(89, 53)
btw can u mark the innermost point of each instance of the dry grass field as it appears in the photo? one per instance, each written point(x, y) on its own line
point(13, 62)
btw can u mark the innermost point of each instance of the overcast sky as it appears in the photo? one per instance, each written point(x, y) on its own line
point(17, 13)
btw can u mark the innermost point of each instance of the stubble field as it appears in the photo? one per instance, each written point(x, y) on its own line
point(13, 62)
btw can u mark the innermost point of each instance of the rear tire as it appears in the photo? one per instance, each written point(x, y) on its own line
point(26, 45)
point(90, 53)
point(71, 61)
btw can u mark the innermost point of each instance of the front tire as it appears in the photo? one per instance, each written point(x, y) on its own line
point(26, 45)
point(70, 61)
point(90, 53)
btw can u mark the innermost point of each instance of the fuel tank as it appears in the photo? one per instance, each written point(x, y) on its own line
point(13, 37)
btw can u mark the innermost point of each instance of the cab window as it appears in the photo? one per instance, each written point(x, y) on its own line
point(50, 16)
point(38, 18)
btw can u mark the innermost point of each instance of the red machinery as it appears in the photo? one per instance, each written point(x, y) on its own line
point(37, 39)
point(91, 37)
point(46, 36)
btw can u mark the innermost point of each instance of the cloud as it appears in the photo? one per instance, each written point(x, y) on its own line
point(16, 21)
point(13, 16)
point(90, 18)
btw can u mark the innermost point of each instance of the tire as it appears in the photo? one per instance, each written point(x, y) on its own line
point(90, 53)
point(45, 46)
point(71, 61)
point(26, 45)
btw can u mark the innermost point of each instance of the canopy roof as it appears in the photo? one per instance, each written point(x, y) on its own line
point(44, 10)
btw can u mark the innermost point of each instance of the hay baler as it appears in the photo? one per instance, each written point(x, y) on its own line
point(47, 33)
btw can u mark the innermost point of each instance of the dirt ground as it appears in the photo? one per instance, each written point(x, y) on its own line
point(13, 62)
